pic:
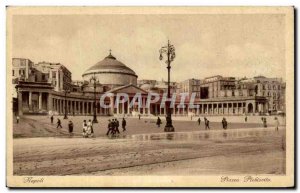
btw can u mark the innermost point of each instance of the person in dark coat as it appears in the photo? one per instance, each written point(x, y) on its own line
point(139, 116)
point(158, 122)
point(265, 122)
point(224, 123)
point(124, 124)
point(58, 123)
point(109, 127)
point(117, 125)
point(51, 118)
point(199, 121)
point(70, 126)
point(206, 121)
point(246, 118)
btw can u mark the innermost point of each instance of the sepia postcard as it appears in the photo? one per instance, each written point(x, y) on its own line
point(150, 97)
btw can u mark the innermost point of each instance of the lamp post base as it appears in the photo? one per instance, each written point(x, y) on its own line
point(95, 121)
point(65, 117)
point(169, 128)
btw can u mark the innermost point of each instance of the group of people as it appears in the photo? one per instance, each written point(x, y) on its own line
point(113, 126)
point(206, 122)
point(87, 129)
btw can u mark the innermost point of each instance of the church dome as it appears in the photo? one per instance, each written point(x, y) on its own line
point(110, 71)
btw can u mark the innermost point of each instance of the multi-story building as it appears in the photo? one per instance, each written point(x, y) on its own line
point(21, 69)
point(189, 86)
point(56, 74)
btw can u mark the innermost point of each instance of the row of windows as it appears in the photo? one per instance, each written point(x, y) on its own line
point(21, 72)
point(270, 87)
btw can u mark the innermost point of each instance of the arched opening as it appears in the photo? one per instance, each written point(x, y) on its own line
point(250, 108)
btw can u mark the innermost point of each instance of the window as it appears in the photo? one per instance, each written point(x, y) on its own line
point(13, 73)
point(53, 74)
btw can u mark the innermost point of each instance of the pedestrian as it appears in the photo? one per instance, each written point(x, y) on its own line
point(117, 125)
point(51, 118)
point(276, 124)
point(199, 121)
point(246, 118)
point(18, 119)
point(124, 124)
point(224, 123)
point(84, 128)
point(90, 131)
point(265, 122)
point(191, 117)
point(70, 126)
point(207, 124)
point(139, 116)
point(109, 127)
point(158, 122)
point(58, 123)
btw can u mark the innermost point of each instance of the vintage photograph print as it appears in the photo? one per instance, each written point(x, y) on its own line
point(150, 96)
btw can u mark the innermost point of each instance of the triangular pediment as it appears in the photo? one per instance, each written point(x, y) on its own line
point(128, 89)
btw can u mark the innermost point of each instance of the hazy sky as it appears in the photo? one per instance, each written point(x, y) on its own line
point(206, 45)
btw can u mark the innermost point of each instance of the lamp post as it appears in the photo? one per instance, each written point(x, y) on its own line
point(94, 79)
point(66, 109)
point(169, 51)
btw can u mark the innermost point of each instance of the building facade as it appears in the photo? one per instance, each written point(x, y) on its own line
point(49, 89)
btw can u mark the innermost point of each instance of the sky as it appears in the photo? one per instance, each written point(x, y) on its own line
point(206, 45)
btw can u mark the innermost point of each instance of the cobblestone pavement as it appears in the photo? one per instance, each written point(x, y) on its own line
point(40, 126)
point(234, 151)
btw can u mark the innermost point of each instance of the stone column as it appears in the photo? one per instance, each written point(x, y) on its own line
point(30, 100)
point(128, 106)
point(227, 108)
point(111, 105)
point(123, 108)
point(20, 103)
point(40, 100)
point(49, 102)
point(144, 109)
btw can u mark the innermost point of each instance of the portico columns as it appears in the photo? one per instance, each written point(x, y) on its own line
point(20, 103)
point(30, 100)
point(143, 101)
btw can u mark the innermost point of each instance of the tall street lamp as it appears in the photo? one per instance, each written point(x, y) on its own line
point(66, 108)
point(94, 80)
point(169, 51)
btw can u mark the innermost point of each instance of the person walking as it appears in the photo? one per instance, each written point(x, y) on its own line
point(109, 127)
point(206, 123)
point(139, 116)
point(224, 123)
point(18, 119)
point(265, 122)
point(70, 126)
point(124, 124)
point(58, 123)
point(90, 131)
point(117, 125)
point(51, 119)
point(199, 121)
point(158, 122)
point(246, 119)
point(84, 128)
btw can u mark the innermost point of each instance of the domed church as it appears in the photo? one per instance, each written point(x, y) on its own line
point(111, 73)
